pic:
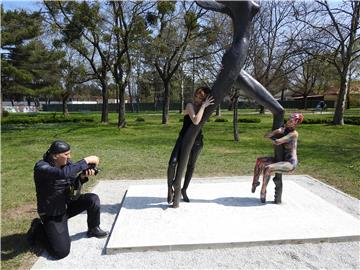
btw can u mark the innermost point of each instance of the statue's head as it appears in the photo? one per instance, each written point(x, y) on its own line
point(200, 94)
point(294, 120)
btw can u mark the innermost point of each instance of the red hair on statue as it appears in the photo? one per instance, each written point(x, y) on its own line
point(296, 117)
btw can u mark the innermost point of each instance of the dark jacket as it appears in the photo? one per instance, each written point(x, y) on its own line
point(53, 185)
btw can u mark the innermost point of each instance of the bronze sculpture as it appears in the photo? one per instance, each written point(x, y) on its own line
point(241, 13)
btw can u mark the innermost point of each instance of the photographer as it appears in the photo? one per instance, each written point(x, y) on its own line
point(55, 178)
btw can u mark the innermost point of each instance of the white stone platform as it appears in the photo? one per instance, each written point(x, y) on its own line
point(226, 214)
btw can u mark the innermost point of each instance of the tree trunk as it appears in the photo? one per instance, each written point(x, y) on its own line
point(166, 102)
point(131, 97)
point(340, 104)
point(182, 96)
point(218, 111)
point(105, 107)
point(262, 109)
point(121, 107)
point(65, 106)
point(235, 119)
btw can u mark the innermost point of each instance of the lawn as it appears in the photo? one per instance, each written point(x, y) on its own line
point(142, 149)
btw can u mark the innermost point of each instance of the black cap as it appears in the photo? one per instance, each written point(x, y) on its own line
point(58, 147)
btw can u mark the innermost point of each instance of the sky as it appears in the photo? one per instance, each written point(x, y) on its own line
point(26, 5)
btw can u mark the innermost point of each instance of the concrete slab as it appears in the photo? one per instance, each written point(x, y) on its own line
point(89, 253)
point(226, 214)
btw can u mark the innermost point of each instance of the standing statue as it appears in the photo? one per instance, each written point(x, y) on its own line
point(241, 13)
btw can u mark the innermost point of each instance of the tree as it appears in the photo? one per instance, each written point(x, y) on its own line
point(337, 26)
point(273, 46)
point(73, 73)
point(174, 27)
point(80, 25)
point(128, 29)
point(29, 68)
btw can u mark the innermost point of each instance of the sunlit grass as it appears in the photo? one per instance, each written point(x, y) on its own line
point(142, 149)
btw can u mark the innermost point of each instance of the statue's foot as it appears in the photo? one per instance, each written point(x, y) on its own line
point(277, 200)
point(254, 186)
point(176, 201)
point(263, 196)
point(278, 193)
point(184, 195)
point(170, 196)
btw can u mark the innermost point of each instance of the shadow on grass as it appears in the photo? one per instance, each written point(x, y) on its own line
point(15, 244)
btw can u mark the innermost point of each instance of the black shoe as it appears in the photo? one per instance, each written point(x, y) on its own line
point(184, 195)
point(32, 232)
point(96, 232)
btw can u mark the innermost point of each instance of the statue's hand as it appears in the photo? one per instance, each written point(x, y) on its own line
point(208, 101)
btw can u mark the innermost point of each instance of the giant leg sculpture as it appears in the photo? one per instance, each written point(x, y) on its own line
point(241, 13)
point(253, 89)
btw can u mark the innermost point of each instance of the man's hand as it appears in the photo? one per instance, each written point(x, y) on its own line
point(92, 159)
point(86, 173)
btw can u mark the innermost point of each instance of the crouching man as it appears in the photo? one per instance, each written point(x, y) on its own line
point(55, 177)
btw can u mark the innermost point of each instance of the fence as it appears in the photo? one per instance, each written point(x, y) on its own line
point(293, 104)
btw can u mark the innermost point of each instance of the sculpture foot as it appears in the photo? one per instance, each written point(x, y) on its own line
point(277, 197)
point(176, 201)
point(254, 186)
point(184, 195)
point(278, 191)
point(170, 196)
point(263, 196)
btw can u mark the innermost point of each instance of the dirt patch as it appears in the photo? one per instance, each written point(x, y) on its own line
point(24, 210)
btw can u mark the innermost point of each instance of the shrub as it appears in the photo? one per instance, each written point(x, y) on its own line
point(31, 119)
point(249, 120)
point(317, 121)
point(352, 120)
point(221, 120)
point(5, 113)
point(140, 119)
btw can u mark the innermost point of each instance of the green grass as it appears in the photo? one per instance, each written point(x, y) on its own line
point(141, 150)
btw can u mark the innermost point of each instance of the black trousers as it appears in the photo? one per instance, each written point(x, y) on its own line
point(175, 156)
point(56, 236)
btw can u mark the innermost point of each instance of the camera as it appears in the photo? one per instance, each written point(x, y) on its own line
point(92, 166)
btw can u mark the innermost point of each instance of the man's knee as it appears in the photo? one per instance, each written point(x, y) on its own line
point(93, 199)
point(90, 200)
point(61, 252)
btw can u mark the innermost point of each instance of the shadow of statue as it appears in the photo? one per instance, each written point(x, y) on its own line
point(15, 244)
point(138, 203)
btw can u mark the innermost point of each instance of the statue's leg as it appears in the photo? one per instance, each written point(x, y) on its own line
point(278, 168)
point(278, 188)
point(259, 168)
point(253, 89)
point(173, 161)
point(266, 178)
point(194, 154)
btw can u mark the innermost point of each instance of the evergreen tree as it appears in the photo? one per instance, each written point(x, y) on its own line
point(29, 69)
